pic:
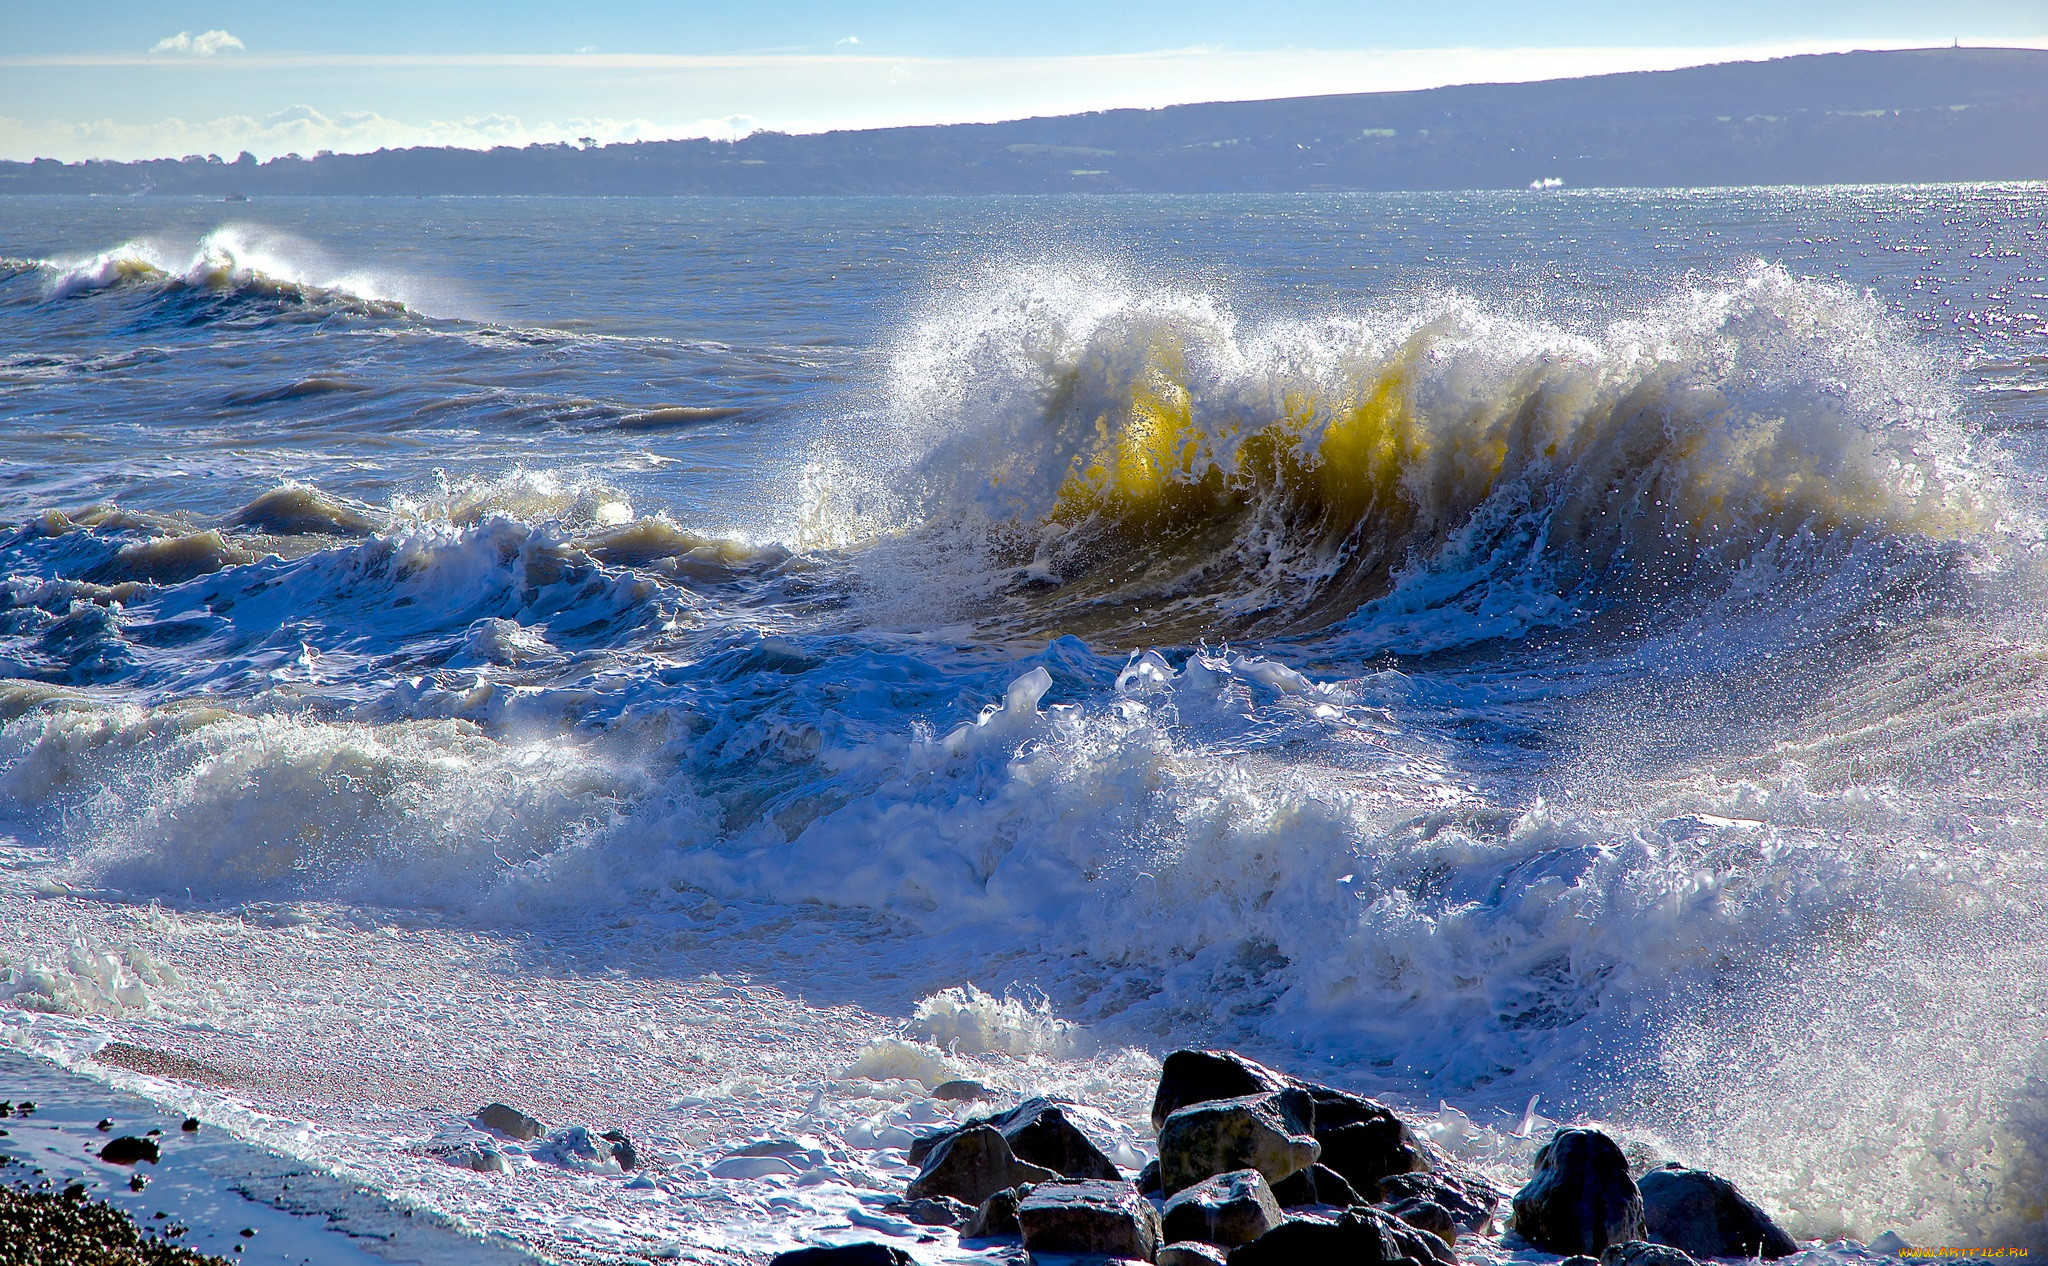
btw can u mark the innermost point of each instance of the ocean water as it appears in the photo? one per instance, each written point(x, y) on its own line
point(718, 668)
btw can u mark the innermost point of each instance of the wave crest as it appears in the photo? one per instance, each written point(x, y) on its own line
point(1114, 448)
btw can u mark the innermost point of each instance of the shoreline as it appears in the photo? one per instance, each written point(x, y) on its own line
point(208, 1181)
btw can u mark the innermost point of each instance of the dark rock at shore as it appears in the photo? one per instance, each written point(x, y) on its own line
point(934, 1211)
point(997, 1215)
point(1201, 1076)
point(510, 1122)
point(1267, 1132)
point(1362, 1237)
point(1361, 1138)
point(973, 1165)
point(1228, 1210)
point(41, 1229)
point(846, 1255)
point(961, 1091)
point(1148, 1178)
point(1090, 1217)
point(1425, 1215)
point(1038, 1132)
point(1191, 1253)
point(1581, 1198)
point(622, 1149)
point(1705, 1215)
point(128, 1149)
point(1643, 1253)
point(1318, 1184)
point(1469, 1199)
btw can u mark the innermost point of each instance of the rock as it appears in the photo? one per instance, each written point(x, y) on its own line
point(1191, 1253)
point(934, 1211)
point(1229, 1209)
point(1425, 1215)
point(1580, 1259)
point(997, 1215)
point(575, 1147)
point(1706, 1216)
point(1362, 1237)
point(1318, 1184)
point(484, 1160)
point(846, 1255)
point(1891, 1244)
point(973, 1165)
point(1469, 1199)
point(959, 1091)
point(128, 1149)
point(190, 1125)
point(1148, 1178)
point(1202, 1076)
point(1038, 1132)
point(1267, 1132)
point(1643, 1253)
point(510, 1122)
point(622, 1149)
point(1362, 1138)
point(1580, 1199)
point(1108, 1219)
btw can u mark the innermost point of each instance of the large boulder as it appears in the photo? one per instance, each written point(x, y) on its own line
point(971, 1166)
point(1641, 1253)
point(1266, 1132)
point(1038, 1132)
point(1229, 1209)
point(1108, 1219)
point(1201, 1076)
point(1318, 1184)
point(1362, 1138)
point(1580, 1199)
point(509, 1121)
point(1191, 1253)
point(1469, 1199)
point(1362, 1237)
point(846, 1255)
point(1705, 1215)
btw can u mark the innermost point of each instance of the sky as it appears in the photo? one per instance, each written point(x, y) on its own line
point(136, 79)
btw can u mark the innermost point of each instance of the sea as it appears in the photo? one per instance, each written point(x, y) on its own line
point(720, 669)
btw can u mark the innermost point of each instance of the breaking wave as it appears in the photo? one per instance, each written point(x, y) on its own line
point(231, 261)
point(1103, 454)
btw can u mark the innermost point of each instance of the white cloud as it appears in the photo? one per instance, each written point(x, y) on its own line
point(301, 129)
point(851, 39)
point(204, 44)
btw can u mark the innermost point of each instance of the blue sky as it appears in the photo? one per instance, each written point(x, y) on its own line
point(136, 79)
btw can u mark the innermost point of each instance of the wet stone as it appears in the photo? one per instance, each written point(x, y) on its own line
point(127, 1150)
point(1269, 1133)
point(1191, 1253)
point(1228, 1210)
point(934, 1211)
point(1204, 1076)
point(1092, 1217)
point(508, 1121)
point(1705, 1215)
point(1643, 1253)
point(997, 1215)
point(973, 1165)
point(1581, 1198)
point(1469, 1199)
point(846, 1255)
point(1318, 1184)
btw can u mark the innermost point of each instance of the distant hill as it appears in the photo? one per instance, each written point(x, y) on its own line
point(1872, 117)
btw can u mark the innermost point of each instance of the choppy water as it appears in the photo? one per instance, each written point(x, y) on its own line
point(1584, 646)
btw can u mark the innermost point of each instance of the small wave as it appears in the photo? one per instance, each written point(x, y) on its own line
point(232, 261)
point(1101, 453)
point(676, 415)
point(171, 560)
point(296, 510)
point(302, 389)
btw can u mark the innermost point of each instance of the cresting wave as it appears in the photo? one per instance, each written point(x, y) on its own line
point(230, 260)
point(1110, 455)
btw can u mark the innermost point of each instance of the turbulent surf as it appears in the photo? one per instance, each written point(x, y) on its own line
point(1527, 674)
